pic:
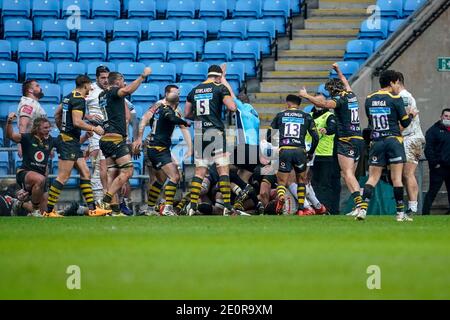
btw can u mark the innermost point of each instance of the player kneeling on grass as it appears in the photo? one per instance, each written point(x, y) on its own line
point(293, 124)
point(114, 142)
point(386, 111)
point(36, 147)
point(158, 148)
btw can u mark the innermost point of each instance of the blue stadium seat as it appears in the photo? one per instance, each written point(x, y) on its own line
point(296, 6)
point(142, 10)
point(161, 8)
point(233, 30)
point(11, 94)
point(41, 71)
point(42, 10)
point(130, 70)
point(378, 44)
point(4, 161)
point(194, 72)
point(16, 31)
point(185, 89)
point(394, 25)
point(91, 50)
point(278, 11)
point(236, 75)
point(62, 50)
point(144, 97)
point(373, 29)
point(391, 9)
point(193, 30)
point(321, 89)
point(9, 71)
point(106, 10)
point(92, 67)
point(66, 72)
point(81, 8)
point(54, 30)
point(120, 50)
point(247, 52)
point(127, 30)
point(134, 182)
point(412, 5)
point(262, 31)
point(2, 134)
point(162, 74)
point(92, 29)
point(30, 50)
point(231, 4)
point(358, 49)
point(248, 9)
point(164, 30)
point(13, 9)
point(213, 12)
point(152, 51)
point(69, 87)
point(51, 99)
point(348, 68)
point(177, 9)
point(181, 52)
point(5, 50)
point(217, 52)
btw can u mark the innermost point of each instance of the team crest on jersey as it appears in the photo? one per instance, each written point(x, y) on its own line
point(351, 152)
point(39, 156)
point(374, 159)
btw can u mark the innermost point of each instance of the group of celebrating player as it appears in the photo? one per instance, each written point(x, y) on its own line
point(227, 181)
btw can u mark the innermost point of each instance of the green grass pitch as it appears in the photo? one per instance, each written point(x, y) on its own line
point(260, 257)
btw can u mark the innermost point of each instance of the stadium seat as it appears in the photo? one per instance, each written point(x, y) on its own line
point(90, 50)
point(30, 50)
point(13, 9)
point(391, 9)
point(134, 182)
point(378, 44)
point(127, 30)
point(262, 31)
point(162, 75)
point(51, 99)
point(62, 50)
point(163, 30)
point(412, 5)
point(2, 143)
point(92, 29)
point(348, 68)
point(185, 89)
point(142, 10)
point(394, 25)
point(213, 12)
point(11, 94)
point(40, 71)
point(236, 75)
point(130, 70)
point(321, 89)
point(358, 49)
point(16, 31)
point(277, 11)
point(217, 52)
point(296, 6)
point(247, 52)
point(248, 9)
point(9, 71)
point(193, 30)
point(80, 8)
point(161, 8)
point(42, 10)
point(177, 9)
point(233, 30)
point(373, 29)
point(55, 30)
point(194, 72)
point(106, 10)
point(146, 95)
point(231, 4)
point(4, 161)
point(66, 72)
point(181, 52)
point(152, 51)
point(92, 67)
point(5, 50)
point(120, 50)
point(68, 88)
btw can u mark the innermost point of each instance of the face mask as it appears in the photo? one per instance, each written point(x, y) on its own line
point(446, 123)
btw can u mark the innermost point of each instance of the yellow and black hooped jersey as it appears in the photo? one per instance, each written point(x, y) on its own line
point(347, 114)
point(73, 102)
point(385, 112)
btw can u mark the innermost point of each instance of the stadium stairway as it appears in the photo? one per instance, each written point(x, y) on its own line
point(322, 41)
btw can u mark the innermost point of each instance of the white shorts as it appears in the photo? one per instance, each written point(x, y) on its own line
point(413, 149)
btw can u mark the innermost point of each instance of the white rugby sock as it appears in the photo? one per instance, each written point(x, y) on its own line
point(311, 196)
point(412, 205)
point(293, 190)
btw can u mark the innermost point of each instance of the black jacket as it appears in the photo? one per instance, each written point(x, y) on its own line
point(437, 148)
